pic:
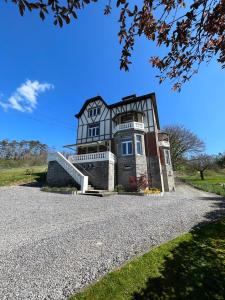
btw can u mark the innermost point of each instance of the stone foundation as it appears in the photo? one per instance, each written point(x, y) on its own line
point(100, 174)
point(58, 177)
point(154, 172)
point(168, 178)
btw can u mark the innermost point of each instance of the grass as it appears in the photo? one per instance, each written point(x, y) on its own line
point(214, 181)
point(22, 175)
point(191, 266)
point(60, 190)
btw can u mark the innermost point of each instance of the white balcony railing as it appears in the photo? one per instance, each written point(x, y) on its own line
point(164, 144)
point(98, 156)
point(130, 125)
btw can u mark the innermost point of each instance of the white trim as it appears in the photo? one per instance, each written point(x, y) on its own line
point(164, 144)
point(81, 179)
point(141, 142)
point(98, 156)
point(126, 143)
point(165, 157)
point(130, 125)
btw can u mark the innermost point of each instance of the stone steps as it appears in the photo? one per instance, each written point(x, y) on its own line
point(98, 193)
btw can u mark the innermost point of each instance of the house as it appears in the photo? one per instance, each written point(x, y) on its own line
point(116, 144)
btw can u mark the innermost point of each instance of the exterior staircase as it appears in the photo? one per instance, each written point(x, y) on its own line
point(76, 174)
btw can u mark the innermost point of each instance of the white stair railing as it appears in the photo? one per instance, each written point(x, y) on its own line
point(80, 178)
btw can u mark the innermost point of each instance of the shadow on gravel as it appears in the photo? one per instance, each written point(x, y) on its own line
point(217, 198)
point(40, 180)
point(196, 268)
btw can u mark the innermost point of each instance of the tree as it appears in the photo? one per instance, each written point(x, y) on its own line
point(220, 160)
point(31, 151)
point(201, 163)
point(192, 34)
point(183, 143)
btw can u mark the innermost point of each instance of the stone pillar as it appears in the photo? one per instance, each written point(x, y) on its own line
point(153, 161)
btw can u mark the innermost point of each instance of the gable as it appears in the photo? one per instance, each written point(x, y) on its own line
point(90, 103)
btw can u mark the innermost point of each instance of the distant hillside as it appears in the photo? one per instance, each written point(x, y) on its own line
point(22, 153)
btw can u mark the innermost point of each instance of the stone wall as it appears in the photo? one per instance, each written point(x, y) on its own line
point(100, 174)
point(141, 165)
point(153, 161)
point(128, 166)
point(167, 171)
point(154, 172)
point(168, 178)
point(58, 177)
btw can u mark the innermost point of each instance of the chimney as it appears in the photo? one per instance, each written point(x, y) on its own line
point(127, 98)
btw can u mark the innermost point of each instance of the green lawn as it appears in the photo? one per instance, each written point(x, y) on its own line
point(22, 175)
point(191, 266)
point(214, 181)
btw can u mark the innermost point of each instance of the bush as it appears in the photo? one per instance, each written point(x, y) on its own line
point(60, 190)
point(119, 188)
point(29, 171)
point(152, 191)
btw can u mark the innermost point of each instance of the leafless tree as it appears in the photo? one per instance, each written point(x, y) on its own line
point(183, 143)
point(201, 163)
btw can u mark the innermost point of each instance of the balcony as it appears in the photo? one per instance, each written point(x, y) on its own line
point(164, 144)
point(92, 157)
point(130, 125)
point(163, 139)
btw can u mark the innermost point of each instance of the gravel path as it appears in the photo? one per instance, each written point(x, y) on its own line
point(52, 245)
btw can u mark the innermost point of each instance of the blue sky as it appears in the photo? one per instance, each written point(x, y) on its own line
point(81, 61)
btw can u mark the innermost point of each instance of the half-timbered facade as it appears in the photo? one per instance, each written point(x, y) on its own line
point(117, 143)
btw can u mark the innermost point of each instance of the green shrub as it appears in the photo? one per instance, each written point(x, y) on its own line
point(119, 188)
point(29, 171)
point(60, 190)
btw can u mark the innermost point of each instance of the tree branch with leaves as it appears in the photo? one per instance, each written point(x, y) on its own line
point(189, 34)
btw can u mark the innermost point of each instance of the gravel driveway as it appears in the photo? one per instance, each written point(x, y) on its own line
point(52, 245)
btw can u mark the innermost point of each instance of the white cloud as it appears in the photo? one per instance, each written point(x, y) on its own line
point(24, 99)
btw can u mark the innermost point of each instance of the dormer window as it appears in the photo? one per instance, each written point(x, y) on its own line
point(92, 112)
point(93, 130)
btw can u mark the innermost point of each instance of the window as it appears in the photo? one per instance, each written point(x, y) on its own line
point(93, 130)
point(92, 112)
point(127, 118)
point(167, 157)
point(127, 147)
point(139, 144)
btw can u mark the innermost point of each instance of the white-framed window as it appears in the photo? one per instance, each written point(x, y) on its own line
point(167, 157)
point(93, 130)
point(127, 147)
point(92, 112)
point(139, 148)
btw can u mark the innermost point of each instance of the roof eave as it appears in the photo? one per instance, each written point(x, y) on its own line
point(89, 101)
